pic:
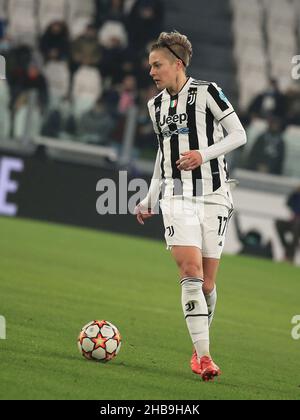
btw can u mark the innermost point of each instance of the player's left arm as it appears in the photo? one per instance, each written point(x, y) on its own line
point(222, 111)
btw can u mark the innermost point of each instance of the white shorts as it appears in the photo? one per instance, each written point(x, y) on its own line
point(194, 222)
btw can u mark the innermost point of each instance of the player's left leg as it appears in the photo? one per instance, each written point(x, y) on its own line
point(214, 227)
point(189, 260)
point(210, 271)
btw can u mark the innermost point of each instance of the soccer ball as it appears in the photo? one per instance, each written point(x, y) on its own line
point(99, 341)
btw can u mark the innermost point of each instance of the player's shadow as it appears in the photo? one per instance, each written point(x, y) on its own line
point(155, 368)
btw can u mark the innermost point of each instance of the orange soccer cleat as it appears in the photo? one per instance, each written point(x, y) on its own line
point(208, 369)
point(195, 364)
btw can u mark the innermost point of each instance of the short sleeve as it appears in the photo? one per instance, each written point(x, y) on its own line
point(217, 102)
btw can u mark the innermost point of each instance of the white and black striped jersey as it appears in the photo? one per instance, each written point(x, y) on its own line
point(187, 121)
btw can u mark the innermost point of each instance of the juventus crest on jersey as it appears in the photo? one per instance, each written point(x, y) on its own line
point(187, 121)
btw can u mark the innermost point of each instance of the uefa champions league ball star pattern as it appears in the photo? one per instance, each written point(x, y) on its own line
point(99, 341)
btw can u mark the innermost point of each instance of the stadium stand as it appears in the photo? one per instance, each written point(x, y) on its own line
point(22, 25)
point(249, 49)
point(212, 43)
point(69, 62)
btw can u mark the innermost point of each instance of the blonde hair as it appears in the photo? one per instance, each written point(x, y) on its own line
point(177, 44)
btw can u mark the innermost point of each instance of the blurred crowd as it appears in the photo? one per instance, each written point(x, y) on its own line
point(274, 102)
point(80, 75)
point(75, 68)
point(280, 109)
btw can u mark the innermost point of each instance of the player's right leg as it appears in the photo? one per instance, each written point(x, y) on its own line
point(184, 238)
point(214, 226)
point(189, 261)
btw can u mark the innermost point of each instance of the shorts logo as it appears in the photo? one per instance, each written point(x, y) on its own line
point(170, 230)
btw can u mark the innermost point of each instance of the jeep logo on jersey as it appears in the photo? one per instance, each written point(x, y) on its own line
point(173, 119)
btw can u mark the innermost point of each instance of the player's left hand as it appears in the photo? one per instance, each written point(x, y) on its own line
point(190, 160)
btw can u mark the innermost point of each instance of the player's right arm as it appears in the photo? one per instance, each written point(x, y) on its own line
point(144, 209)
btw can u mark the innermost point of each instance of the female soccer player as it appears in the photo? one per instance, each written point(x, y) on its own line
point(190, 173)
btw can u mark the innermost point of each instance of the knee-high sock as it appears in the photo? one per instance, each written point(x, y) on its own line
point(211, 300)
point(196, 313)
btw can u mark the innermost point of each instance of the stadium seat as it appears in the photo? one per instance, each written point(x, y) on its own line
point(280, 11)
point(252, 57)
point(250, 83)
point(249, 49)
point(87, 88)
point(292, 141)
point(3, 9)
point(254, 130)
point(111, 30)
point(280, 56)
point(296, 7)
point(78, 27)
point(23, 30)
point(281, 36)
point(248, 31)
point(57, 74)
point(80, 9)
point(21, 8)
point(22, 27)
point(244, 9)
point(21, 127)
point(80, 15)
point(4, 110)
point(51, 10)
point(4, 123)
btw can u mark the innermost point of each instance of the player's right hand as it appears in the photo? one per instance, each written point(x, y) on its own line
point(142, 213)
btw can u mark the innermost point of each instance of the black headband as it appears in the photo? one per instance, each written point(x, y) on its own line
point(164, 44)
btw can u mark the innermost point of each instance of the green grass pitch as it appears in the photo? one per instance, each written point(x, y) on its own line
point(54, 279)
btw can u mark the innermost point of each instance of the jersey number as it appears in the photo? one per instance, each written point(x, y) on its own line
point(222, 225)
